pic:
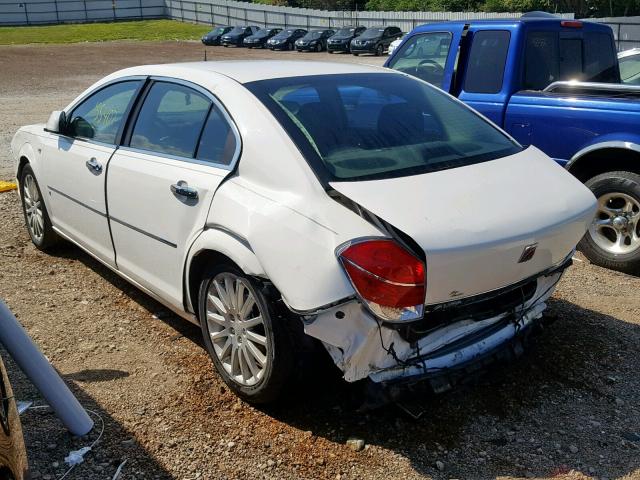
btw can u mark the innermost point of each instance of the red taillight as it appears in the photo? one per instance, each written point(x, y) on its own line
point(384, 273)
point(571, 24)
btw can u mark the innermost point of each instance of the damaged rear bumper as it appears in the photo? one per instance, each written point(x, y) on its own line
point(363, 347)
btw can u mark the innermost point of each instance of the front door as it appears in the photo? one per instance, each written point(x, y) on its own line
point(161, 184)
point(76, 164)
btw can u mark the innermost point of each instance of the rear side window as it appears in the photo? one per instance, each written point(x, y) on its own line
point(218, 142)
point(487, 60)
point(100, 116)
point(424, 56)
point(170, 120)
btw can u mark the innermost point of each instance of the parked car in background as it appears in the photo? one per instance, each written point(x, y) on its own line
point(237, 35)
point(261, 37)
point(375, 40)
point(286, 39)
point(213, 37)
point(314, 41)
point(341, 40)
point(308, 203)
point(13, 455)
point(395, 44)
point(555, 84)
point(629, 61)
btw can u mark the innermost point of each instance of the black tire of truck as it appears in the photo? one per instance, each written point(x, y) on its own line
point(618, 195)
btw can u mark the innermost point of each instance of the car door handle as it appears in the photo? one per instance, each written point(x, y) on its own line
point(93, 165)
point(183, 189)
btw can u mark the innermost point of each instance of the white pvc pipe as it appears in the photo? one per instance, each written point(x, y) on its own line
point(38, 369)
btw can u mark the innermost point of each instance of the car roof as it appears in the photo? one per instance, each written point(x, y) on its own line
point(245, 71)
point(510, 22)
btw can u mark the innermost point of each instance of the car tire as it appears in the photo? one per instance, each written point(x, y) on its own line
point(255, 360)
point(613, 239)
point(35, 212)
point(356, 54)
point(318, 47)
point(379, 50)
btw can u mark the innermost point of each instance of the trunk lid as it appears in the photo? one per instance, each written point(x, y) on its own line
point(475, 222)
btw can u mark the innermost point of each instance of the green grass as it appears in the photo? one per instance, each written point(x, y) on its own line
point(102, 32)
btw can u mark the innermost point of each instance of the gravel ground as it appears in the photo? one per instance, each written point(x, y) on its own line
point(568, 409)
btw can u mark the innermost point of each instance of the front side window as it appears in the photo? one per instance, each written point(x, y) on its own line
point(378, 125)
point(100, 116)
point(424, 56)
point(487, 59)
point(170, 120)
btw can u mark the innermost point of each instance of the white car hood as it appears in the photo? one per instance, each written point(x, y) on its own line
point(474, 222)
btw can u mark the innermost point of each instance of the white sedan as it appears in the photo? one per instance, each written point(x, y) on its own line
point(274, 203)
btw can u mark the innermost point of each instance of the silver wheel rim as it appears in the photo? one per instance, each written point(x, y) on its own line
point(33, 208)
point(236, 329)
point(616, 227)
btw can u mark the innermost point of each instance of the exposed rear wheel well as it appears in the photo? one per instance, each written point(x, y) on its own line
point(199, 265)
point(605, 160)
point(23, 162)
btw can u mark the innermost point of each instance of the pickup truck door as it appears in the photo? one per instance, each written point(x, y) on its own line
point(429, 55)
point(76, 163)
point(161, 182)
point(484, 85)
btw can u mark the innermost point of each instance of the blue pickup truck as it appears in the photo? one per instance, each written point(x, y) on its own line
point(554, 84)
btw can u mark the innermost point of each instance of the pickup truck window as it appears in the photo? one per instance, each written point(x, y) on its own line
point(383, 125)
point(424, 56)
point(487, 60)
point(549, 58)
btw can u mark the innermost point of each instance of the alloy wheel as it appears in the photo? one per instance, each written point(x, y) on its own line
point(33, 208)
point(616, 226)
point(236, 328)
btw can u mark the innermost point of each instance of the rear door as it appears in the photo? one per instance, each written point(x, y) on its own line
point(76, 166)
point(161, 182)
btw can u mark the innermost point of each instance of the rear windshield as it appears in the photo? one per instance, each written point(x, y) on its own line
point(551, 57)
point(378, 125)
point(630, 69)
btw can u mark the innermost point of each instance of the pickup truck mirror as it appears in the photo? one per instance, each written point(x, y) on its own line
point(57, 122)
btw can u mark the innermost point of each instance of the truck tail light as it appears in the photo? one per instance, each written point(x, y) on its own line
point(389, 279)
point(571, 23)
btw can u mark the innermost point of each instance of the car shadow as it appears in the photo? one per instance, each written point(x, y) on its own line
point(563, 406)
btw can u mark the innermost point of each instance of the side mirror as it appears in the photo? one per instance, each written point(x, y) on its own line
point(57, 122)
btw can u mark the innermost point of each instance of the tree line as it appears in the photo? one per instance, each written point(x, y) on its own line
point(582, 8)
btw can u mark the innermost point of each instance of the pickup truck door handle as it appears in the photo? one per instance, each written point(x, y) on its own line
point(93, 165)
point(182, 189)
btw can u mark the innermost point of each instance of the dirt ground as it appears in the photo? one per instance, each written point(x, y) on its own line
point(570, 408)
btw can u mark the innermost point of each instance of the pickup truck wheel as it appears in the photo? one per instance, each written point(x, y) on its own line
point(250, 349)
point(35, 212)
point(613, 239)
